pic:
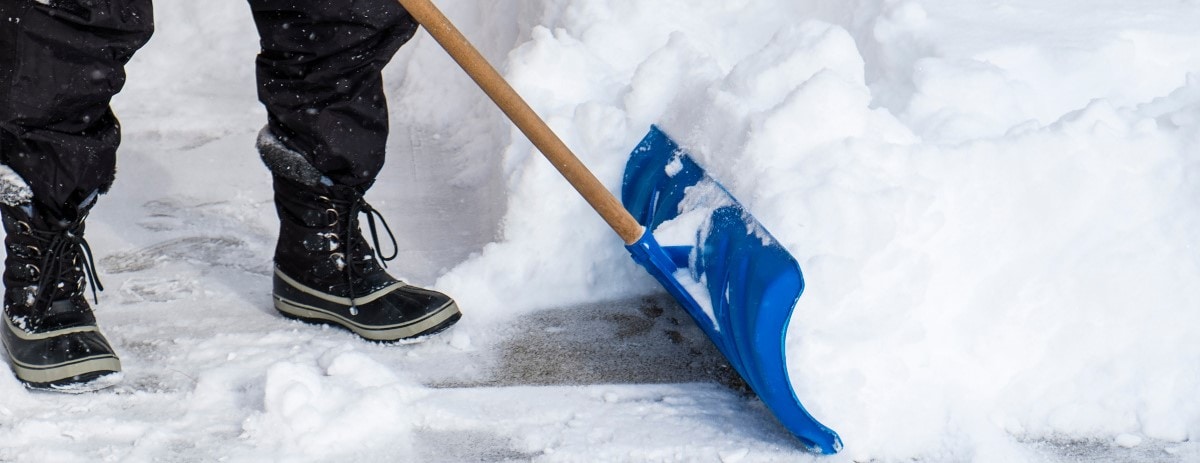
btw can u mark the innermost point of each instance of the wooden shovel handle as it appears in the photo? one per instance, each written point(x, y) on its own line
point(525, 119)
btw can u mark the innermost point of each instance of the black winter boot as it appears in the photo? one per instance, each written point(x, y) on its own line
point(49, 331)
point(326, 272)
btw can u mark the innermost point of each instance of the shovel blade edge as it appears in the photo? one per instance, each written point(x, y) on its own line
point(739, 285)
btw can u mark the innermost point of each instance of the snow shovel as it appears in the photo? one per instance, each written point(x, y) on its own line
point(721, 265)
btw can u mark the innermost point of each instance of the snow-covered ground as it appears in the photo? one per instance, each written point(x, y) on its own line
point(994, 205)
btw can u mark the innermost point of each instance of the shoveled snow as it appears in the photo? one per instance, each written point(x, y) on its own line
point(994, 205)
point(691, 228)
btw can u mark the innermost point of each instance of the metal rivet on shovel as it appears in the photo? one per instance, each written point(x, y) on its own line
point(734, 278)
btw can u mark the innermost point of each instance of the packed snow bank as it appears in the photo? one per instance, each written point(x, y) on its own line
point(995, 217)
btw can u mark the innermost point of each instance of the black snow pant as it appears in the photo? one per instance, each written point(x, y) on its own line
point(61, 62)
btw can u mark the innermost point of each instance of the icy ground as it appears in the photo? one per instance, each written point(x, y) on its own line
point(994, 204)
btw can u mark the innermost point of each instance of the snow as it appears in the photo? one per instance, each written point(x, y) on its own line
point(13, 189)
point(1128, 440)
point(993, 204)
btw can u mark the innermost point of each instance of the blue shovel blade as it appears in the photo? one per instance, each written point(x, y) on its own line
point(737, 282)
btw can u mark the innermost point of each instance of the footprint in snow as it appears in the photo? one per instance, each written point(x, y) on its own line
point(216, 251)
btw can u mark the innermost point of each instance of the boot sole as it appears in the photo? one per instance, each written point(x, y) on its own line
point(433, 322)
point(67, 376)
point(70, 374)
point(90, 382)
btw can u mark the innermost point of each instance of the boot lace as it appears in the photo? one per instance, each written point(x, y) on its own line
point(61, 256)
point(352, 262)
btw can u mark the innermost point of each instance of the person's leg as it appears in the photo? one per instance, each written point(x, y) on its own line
point(61, 61)
point(319, 78)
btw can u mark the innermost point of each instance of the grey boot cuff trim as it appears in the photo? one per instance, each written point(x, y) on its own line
point(284, 161)
point(14, 191)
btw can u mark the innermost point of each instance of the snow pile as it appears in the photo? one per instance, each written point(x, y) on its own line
point(996, 233)
point(350, 405)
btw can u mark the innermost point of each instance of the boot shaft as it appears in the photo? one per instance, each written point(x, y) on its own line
point(320, 238)
point(47, 266)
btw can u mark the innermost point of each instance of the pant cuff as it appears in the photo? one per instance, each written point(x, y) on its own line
point(14, 191)
point(285, 162)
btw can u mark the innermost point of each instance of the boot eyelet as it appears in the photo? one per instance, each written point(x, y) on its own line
point(338, 259)
point(23, 228)
point(34, 271)
point(335, 243)
point(33, 251)
point(333, 216)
